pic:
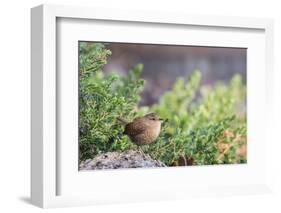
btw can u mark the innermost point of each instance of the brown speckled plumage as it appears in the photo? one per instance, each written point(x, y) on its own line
point(143, 130)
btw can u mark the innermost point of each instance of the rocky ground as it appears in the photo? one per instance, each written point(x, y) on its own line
point(117, 160)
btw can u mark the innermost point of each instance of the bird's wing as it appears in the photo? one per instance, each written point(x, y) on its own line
point(134, 128)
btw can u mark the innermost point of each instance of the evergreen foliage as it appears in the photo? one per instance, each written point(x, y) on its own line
point(203, 125)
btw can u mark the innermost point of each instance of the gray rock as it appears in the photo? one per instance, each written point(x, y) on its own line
point(118, 160)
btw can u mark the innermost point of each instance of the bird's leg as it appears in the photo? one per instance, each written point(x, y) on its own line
point(141, 150)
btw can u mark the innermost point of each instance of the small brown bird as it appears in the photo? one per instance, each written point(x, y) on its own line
point(143, 130)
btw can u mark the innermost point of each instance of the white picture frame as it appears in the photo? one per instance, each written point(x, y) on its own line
point(47, 164)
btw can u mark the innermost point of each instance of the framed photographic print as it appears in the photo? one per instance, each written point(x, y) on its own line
point(129, 106)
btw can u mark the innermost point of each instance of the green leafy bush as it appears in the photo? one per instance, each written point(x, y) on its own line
point(197, 129)
point(102, 99)
point(203, 125)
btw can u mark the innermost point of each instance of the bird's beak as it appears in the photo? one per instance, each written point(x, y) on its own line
point(163, 120)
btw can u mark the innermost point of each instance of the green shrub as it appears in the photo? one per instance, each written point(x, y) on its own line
point(203, 125)
point(102, 99)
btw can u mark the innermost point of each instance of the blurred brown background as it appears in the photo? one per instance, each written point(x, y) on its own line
point(162, 64)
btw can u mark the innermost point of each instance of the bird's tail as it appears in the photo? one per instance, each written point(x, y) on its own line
point(122, 121)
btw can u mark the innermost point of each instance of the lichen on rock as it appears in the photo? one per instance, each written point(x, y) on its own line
point(118, 160)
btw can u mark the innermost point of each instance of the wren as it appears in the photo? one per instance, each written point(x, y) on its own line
point(143, 130)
